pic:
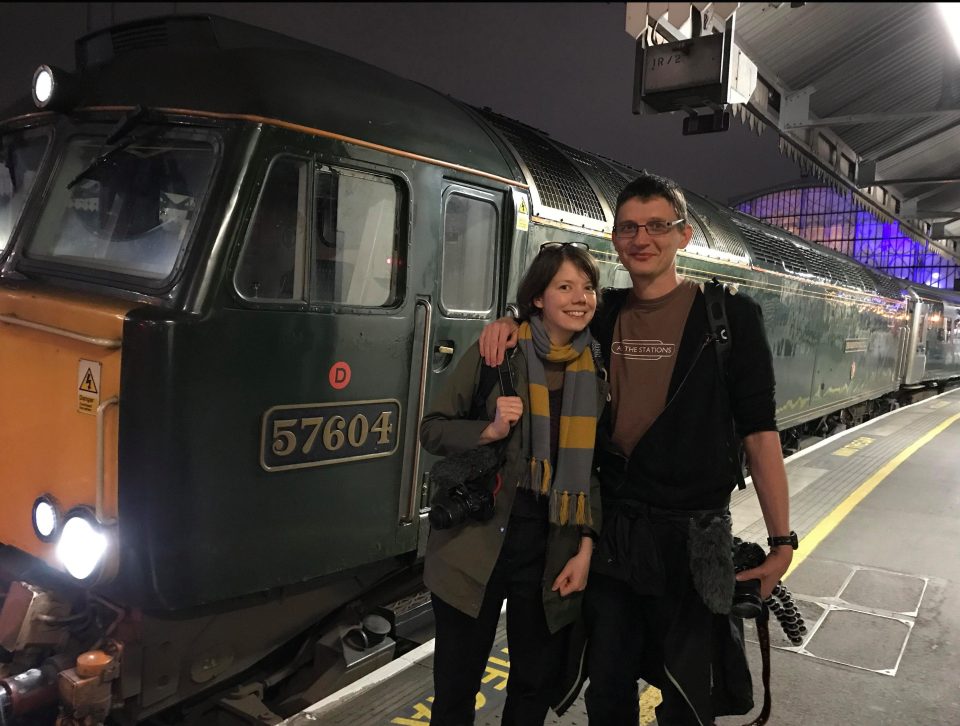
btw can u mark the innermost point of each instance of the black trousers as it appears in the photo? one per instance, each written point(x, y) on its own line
point(463, 643)
point(624, 630)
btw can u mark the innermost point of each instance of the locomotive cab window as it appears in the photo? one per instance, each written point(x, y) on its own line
point(353, 257)
point(272, 263)
point(20, 155)
point(470, 227)
point(355, 238)
point(129, 209)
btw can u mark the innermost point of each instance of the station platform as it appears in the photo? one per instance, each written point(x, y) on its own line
point(877, 579)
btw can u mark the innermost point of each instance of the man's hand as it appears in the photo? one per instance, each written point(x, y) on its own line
point(509, 411)
point(771, 571)
point(573, 576)
point(496, 337)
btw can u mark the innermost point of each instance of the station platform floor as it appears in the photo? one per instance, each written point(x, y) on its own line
point(876, 578)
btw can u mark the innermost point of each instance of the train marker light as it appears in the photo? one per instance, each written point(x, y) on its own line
point(42, 86)
point(82, 545)
point(53, 88)
point(46, 518)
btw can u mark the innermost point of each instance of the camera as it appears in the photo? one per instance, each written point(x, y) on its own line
point(466, 487)
point(459, 503)
point(747, 602)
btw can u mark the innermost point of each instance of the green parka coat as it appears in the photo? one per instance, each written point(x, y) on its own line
point(459, 561)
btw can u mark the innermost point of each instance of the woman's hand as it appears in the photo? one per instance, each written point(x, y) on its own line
point(509, 410)
point(573, 576)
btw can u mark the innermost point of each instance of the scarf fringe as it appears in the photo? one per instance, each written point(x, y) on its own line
point(560, 509)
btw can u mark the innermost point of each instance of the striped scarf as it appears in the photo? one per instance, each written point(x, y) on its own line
point(569, 485)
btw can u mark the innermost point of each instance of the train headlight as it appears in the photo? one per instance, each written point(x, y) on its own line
point(83, 544)
point(46, 518)
point(42, 86)
point(53, 88)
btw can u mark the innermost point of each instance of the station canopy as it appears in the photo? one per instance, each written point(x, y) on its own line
point(864, 95)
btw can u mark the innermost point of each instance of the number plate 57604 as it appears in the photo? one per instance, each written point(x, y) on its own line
point(314, 434)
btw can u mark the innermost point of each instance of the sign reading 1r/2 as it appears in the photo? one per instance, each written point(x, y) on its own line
point(658, 60)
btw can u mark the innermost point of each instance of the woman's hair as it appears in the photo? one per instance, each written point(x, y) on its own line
point(543, 269)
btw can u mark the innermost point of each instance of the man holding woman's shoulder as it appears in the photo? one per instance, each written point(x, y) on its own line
point(668, 460)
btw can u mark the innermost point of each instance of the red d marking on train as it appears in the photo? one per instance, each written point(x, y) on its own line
point(339, 375)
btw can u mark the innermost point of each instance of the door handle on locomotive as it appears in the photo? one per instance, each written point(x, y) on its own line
point(444, 349)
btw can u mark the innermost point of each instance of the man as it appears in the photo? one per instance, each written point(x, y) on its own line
point(667, 462)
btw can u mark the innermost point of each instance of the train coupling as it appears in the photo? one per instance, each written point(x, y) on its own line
point(86, 689)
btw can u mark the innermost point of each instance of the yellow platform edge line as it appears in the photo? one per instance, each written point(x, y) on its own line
point(830, 522)
point(650, 698)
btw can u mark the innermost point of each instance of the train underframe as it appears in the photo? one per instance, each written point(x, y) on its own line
point(72, 658)
point(811, 432)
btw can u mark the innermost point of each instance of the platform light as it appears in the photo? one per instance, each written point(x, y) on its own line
point(46, 518)
point(951, 18)
point(82, 545)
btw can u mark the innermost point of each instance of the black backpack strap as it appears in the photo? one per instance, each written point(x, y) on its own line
point(714, 293)
point(490, 377)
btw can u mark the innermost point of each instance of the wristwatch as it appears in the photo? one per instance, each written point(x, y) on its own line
point(788, 539)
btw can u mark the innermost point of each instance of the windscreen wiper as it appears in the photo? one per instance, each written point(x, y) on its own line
point(10, 161)
point(122, 131)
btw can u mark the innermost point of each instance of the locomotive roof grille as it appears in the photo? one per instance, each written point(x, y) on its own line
point(180, 32)
point(132, 38)
point(773, 251)
point(886, 286)
point(699, 239)
point(559, 183)
point(610, 181)
point(724, 239)
point(818, 264)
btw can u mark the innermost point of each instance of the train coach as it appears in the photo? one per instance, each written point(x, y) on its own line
point(233, 268)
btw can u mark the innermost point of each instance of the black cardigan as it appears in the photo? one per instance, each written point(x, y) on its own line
point(688, 458)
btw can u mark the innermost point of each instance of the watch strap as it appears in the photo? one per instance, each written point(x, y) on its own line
point(789, 540)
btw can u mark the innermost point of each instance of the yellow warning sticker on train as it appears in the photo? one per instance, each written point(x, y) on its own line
point(523, 212)
point(854, 446)
point(88, 386)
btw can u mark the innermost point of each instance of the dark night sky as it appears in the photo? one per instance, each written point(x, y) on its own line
point(565, 68)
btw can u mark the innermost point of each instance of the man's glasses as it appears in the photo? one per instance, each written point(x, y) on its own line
point(558, 245)
point(655, 228)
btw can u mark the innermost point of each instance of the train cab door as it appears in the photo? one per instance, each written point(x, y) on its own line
point(287, 404)
point(468, 293)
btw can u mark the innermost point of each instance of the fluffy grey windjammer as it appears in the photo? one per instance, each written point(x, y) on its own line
point(711, 562)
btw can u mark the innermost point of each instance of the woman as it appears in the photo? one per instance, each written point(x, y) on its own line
point(535, 550)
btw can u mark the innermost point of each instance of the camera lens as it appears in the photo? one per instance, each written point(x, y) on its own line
point(448, 513)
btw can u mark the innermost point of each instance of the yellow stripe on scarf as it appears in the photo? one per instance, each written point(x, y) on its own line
point(577, 432)
point(539, 400)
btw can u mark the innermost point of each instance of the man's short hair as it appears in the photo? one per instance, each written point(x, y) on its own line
point(647, 186)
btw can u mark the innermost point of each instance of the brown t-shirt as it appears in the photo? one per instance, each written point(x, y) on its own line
point(646, 337)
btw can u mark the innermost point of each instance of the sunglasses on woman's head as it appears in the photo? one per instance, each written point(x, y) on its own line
point(558, 245)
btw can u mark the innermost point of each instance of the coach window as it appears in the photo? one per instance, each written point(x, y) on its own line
point(355, 257)
point(272, 262)
point(469, 254)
